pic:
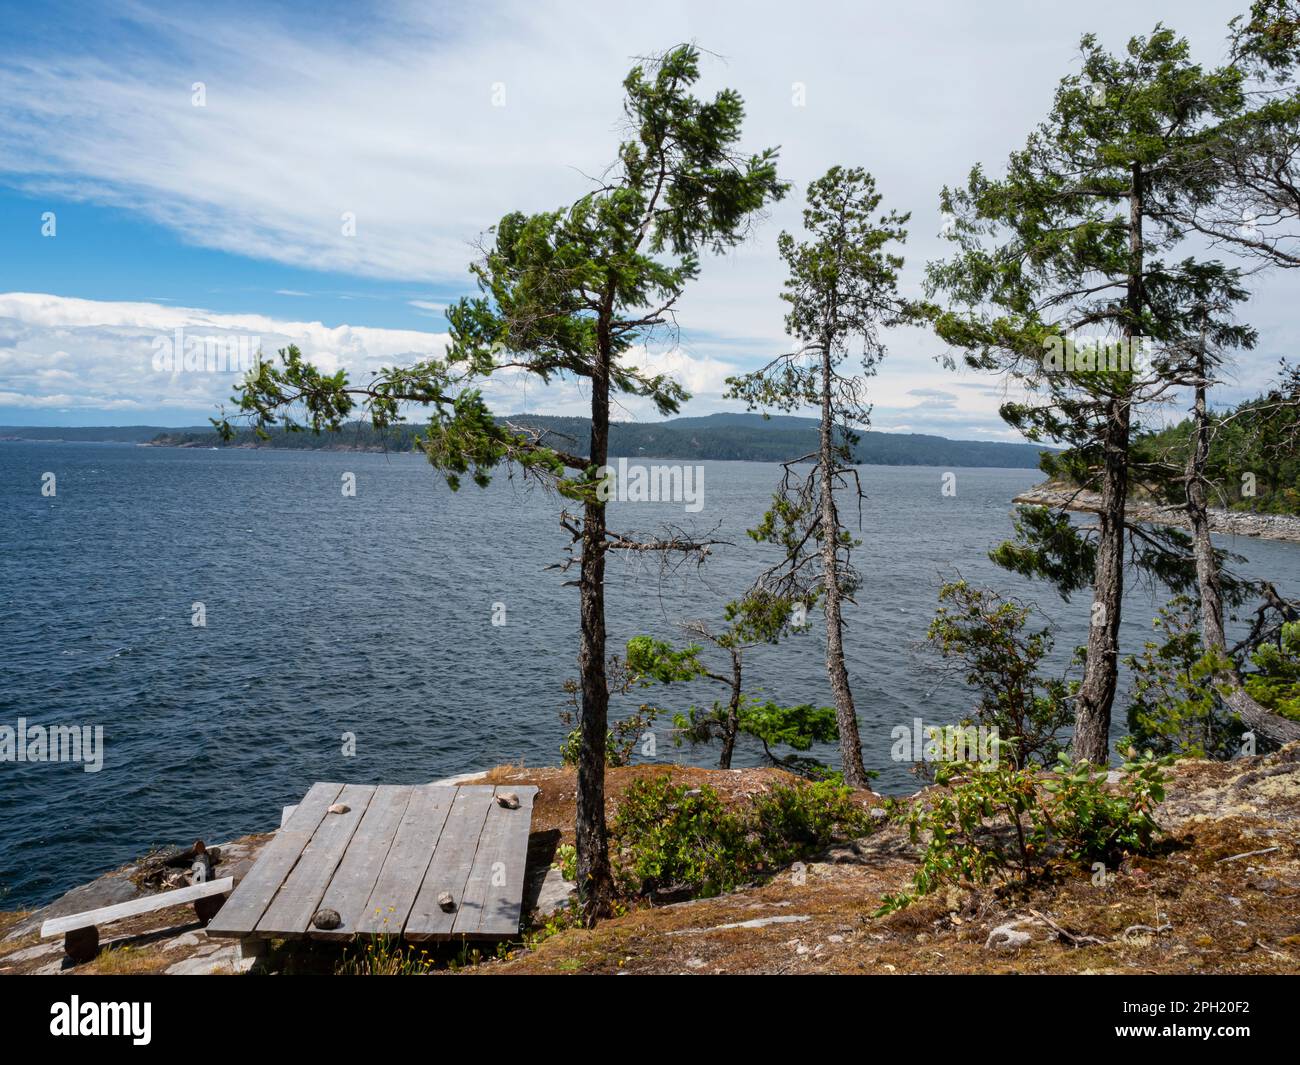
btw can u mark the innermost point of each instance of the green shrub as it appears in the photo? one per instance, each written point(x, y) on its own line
point(668, 835)
point(987, 639)
point(1003, 823)
point(566, 861)
point(793, 822)
point(1276, 682)
point(1173, 707)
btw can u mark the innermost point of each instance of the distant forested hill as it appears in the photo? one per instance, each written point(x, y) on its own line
point(749, 437)
point(95, 434)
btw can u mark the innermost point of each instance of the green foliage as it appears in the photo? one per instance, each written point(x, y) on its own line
point(670, 835)
point(1048, 546)
point(620, 740)
point(1173, 706)
point(1269, 36)
point(667, 834)
point(842, 288)
point(656, 660)
point(797, 727)
point(1253, 462)
point(384, 955)
point(622, 676)
point(1275, 684)
point(985, 636)
point(1080, 239)
point(773, 725)
point(566, 861)
point(794, 822)
point(566, 293)
point(1089, 822)
point(1005, 824)
point(759, 617)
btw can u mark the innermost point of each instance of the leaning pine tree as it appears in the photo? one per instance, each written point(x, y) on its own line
point(569, 293)
point(1068, 246)
point(842, 289)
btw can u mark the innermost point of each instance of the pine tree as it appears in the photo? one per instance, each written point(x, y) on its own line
point(1069, 243)
point(570, 293)
point(842, 289)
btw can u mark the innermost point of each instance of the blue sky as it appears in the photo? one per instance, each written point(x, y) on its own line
point(424, 123)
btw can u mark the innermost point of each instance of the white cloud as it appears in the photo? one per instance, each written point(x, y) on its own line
point(394, 121)
point(91, 354)
point(58, 352)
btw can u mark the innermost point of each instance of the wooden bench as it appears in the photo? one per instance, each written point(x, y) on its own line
point(423, 862)
point(80, 930)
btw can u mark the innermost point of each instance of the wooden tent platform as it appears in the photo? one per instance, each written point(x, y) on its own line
point(384, 864)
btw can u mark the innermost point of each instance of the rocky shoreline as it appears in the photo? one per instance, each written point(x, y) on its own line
point(1284, 527)
point(1220, 897)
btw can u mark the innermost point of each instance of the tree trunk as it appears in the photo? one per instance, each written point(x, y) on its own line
point(1260, 719)
point(595, 882)
point(846, 715)
point(732, 725)
point(1101, 668)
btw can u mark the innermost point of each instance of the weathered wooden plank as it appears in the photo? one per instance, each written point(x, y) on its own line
point(57, 926)
point(354, 879)
point(495, 889)
point(299, 896)
point(452, 860)
point(242, 911)
point(407, 861)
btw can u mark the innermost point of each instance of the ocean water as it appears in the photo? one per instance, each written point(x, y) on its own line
point(372, 615)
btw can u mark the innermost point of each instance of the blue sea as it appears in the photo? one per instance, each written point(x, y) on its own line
point(372, 615)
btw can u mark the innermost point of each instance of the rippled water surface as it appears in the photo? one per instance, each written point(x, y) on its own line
point(373, 615)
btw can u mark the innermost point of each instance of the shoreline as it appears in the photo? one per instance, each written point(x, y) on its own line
point(1222, 819)
point(1281, 527)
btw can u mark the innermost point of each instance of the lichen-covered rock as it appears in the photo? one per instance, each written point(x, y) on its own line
point(1008, 936)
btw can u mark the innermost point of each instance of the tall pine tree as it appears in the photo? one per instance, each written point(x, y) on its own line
point(1070, 245)
point(570, 293)
point(842, 289)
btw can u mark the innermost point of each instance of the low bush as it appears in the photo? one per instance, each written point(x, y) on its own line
point(1000, 823)
point(792, 822)
point(668, 835)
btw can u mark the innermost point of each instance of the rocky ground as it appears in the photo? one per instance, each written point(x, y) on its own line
point(1222, 896)
point(1228, 522)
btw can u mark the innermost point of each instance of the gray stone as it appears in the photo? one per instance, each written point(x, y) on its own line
point(188, 940)
point(555, 893)
point(218, 962)
point(1008, 937)
point(29, 953)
